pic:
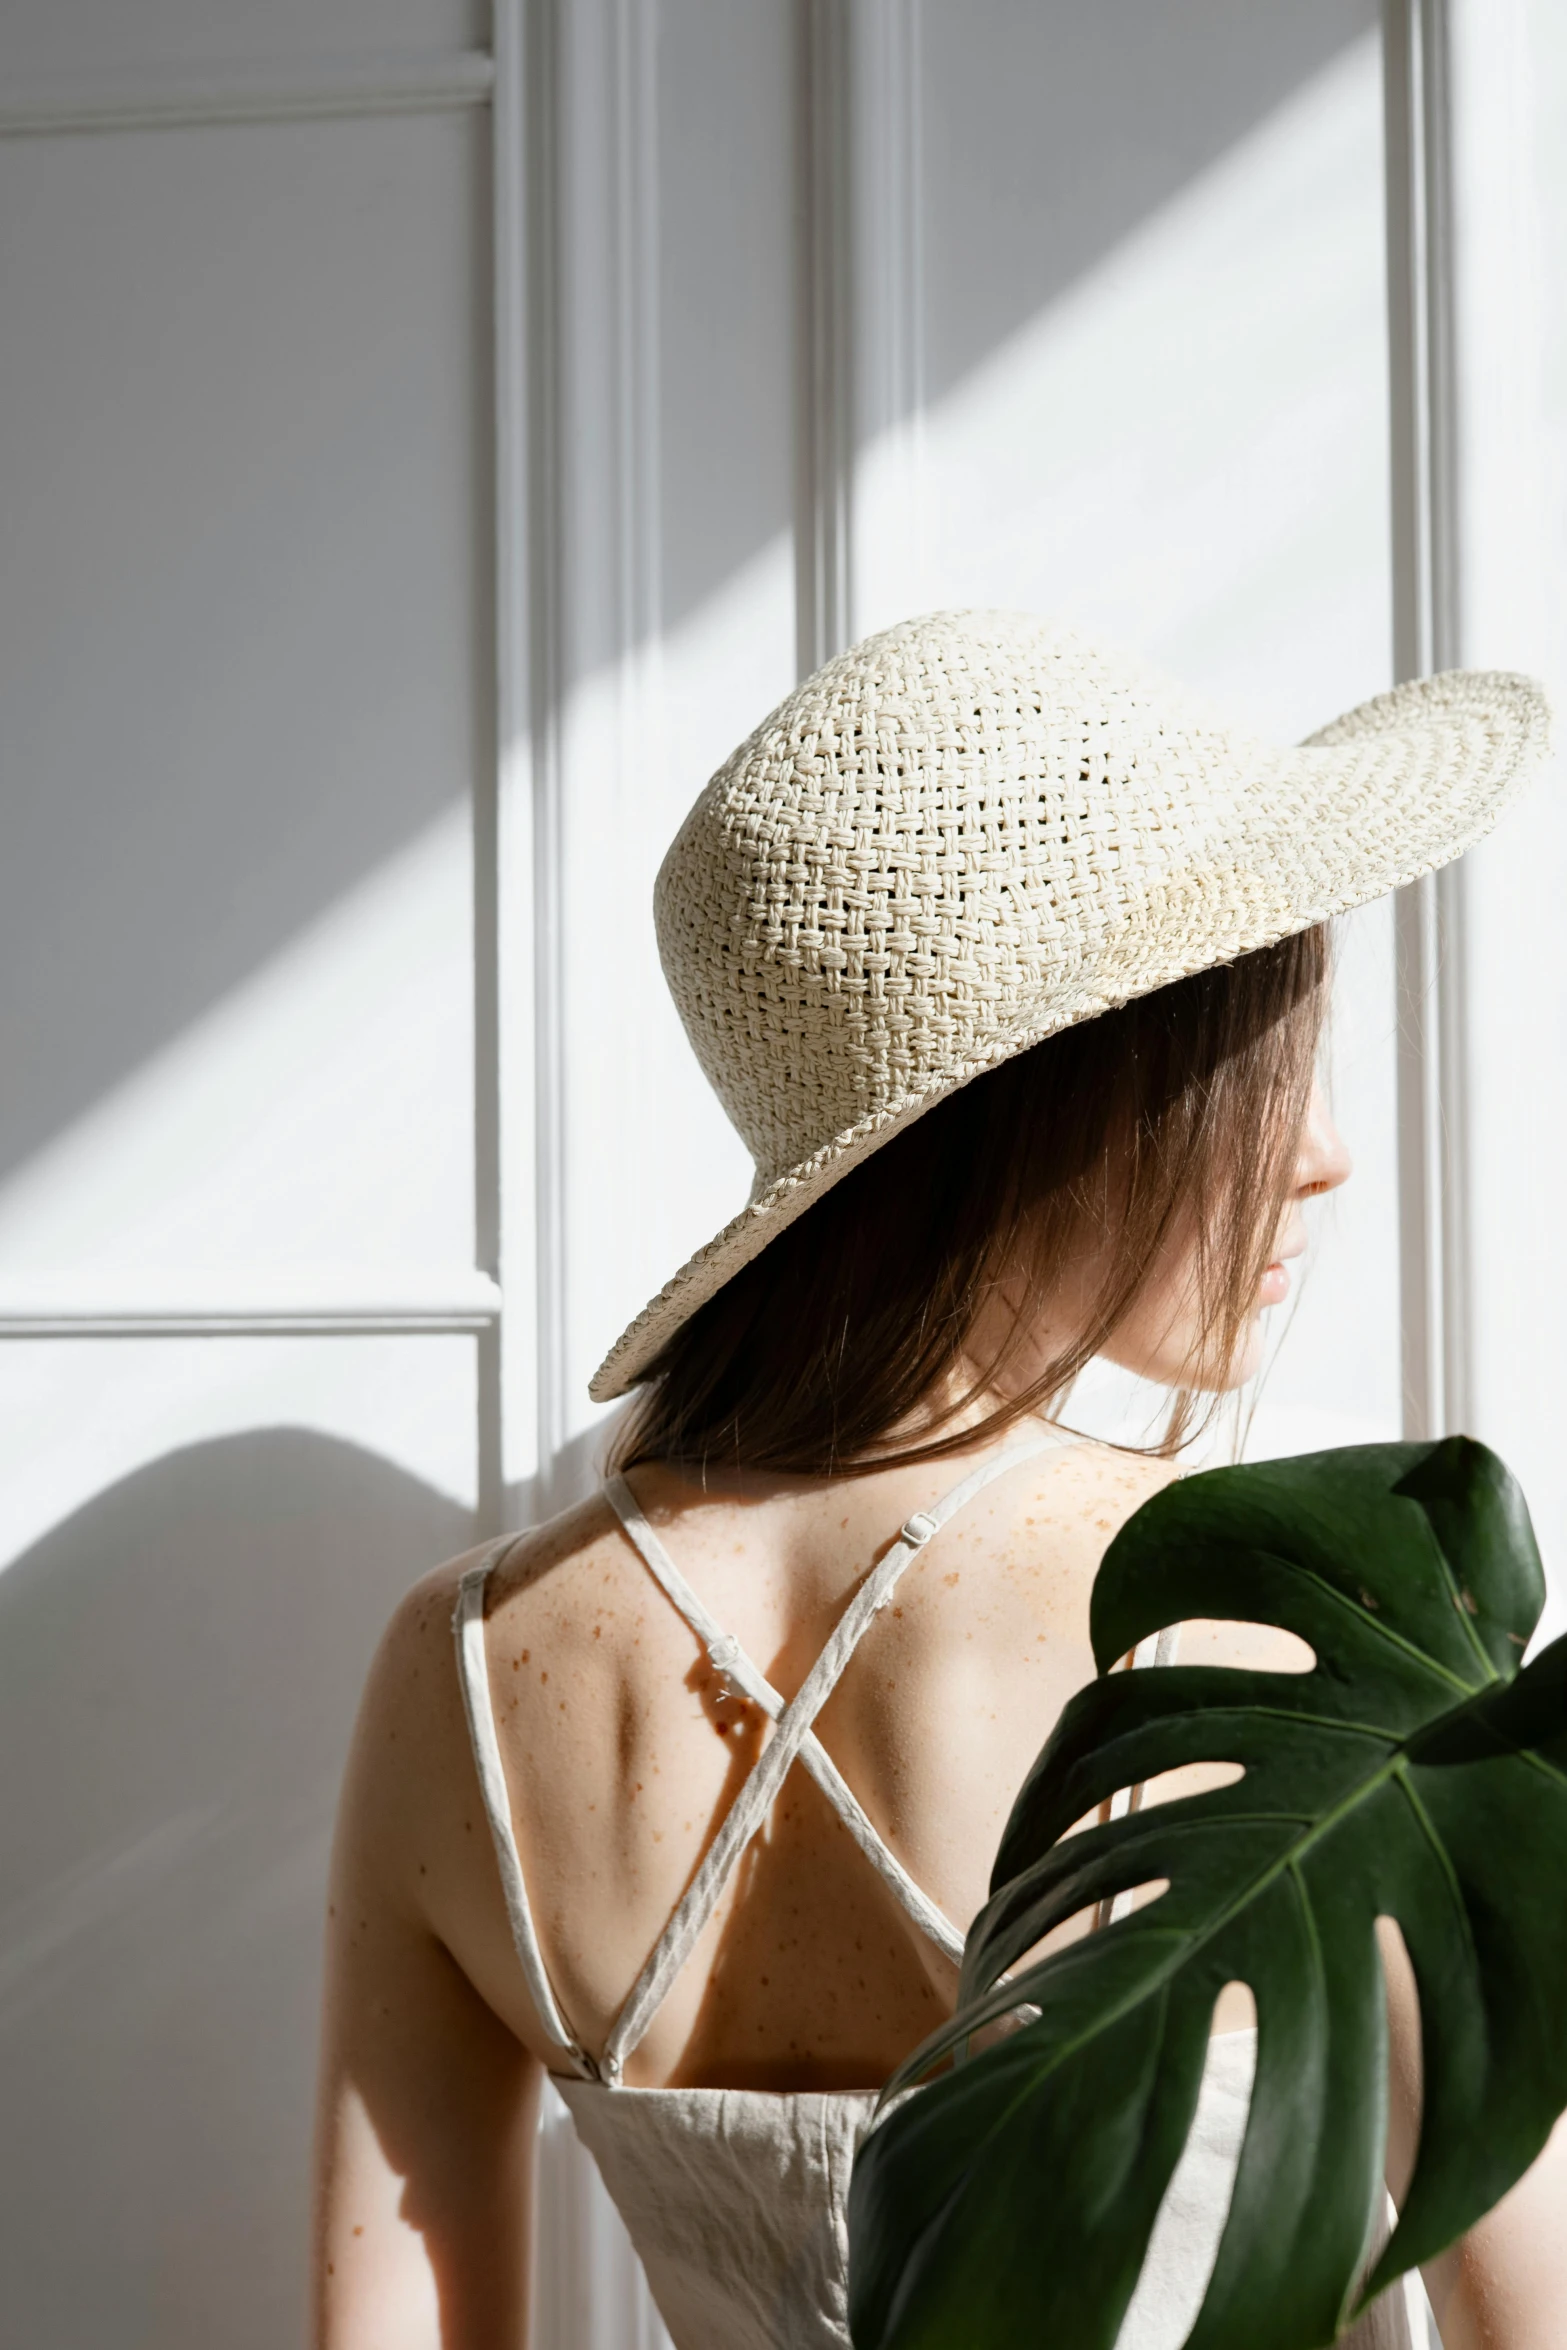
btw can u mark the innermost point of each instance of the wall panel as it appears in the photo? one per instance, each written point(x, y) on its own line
point(247, 718)
point(204, 1538)
point(245, 690)
point(1509, 269)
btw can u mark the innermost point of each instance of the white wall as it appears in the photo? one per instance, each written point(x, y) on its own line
point(246, 702)
point(1512, 398)
point(417, 469)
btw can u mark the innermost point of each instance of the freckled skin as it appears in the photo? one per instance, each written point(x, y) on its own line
point(623, 1750)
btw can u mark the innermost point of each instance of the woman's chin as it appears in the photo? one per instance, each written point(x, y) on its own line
point(1243, 1365)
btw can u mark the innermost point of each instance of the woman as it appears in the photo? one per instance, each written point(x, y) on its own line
point(1008, 961)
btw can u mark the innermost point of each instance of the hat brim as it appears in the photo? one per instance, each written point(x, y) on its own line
point(1396, 788)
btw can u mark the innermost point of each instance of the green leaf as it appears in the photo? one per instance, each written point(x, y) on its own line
point(1415, 1771)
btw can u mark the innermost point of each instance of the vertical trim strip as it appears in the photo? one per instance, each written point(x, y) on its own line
point(1434, 1256)
point(501, 1021)
point(635, 604)
point(860, 503)
point(824, 334)
point(635, 292)
point(884, 434)
point(544, 904)
point(598, 595)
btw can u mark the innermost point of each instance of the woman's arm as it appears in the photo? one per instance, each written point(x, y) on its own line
point(428, 2104)
point(1504, 2285)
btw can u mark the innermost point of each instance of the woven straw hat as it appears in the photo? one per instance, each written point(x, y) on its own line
point(975, 829)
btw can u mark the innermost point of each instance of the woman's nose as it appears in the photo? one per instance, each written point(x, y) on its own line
point(1324, 1161)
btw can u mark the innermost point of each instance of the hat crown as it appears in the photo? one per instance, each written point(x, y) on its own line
point(936, 838)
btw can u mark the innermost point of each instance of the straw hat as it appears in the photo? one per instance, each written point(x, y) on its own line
point(975, 829)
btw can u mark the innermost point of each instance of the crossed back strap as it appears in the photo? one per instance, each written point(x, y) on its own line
point(794, 1739)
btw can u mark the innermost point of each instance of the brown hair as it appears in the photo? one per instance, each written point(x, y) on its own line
point(1179, 1112)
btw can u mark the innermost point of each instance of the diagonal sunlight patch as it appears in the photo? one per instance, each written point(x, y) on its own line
point(1230, 521)
point(322, 1112)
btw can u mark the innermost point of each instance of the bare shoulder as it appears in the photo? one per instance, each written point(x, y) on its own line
point(411, 1676)
point(409, 1763)
point(546, 1579)
point(411, 1770)
point(1103, 1488)
point(1070, 1505)
point(542, 1568)
point(1112, 1483)
point(1046, 1528)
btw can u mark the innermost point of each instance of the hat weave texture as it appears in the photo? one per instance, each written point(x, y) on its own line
point(977, 828)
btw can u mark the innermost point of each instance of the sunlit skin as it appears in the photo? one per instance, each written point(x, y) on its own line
point(623, 1752)
point(1160, 1337)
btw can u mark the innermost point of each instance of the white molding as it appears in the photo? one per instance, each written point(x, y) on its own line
point(1434, 1251)
point(860, 507)
point(635, 297)
point(173, 97)
point(544, 902)
point(824, 304)
point(503, 845)
point(630, 786)
point(228, 1301)
point(598, 729)
point(885, 436)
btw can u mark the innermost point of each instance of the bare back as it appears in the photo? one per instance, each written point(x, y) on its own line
point(623, 1749)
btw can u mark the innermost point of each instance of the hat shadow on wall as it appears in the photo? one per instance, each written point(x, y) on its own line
point(179, 1668)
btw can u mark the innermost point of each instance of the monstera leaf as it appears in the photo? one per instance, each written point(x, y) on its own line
point(1414, 1771)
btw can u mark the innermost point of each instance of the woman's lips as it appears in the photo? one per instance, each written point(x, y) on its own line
point(1274, 1286)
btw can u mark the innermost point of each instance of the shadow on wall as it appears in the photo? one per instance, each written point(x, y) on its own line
point(179, 1668)
point(1067, 128)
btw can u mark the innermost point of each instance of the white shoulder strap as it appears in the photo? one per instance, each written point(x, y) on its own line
point(473, 1670)
point(1160, 1648)
point(731, 1660)
point(757, 1796)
